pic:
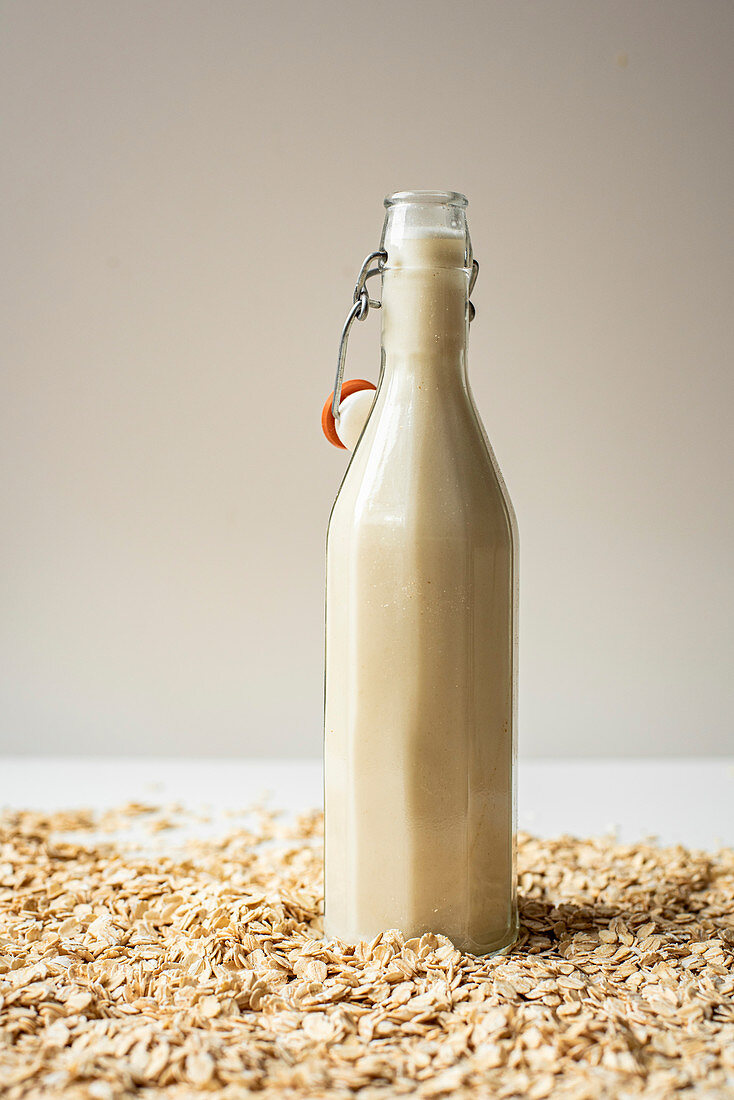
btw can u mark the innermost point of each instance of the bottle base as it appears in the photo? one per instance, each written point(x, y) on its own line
point(500, 946)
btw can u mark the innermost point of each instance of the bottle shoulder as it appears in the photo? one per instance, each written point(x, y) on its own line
point(437, 475)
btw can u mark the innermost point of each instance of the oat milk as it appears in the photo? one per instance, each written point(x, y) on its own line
point(421, 626)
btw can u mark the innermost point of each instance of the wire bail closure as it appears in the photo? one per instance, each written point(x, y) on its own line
point(360, 309)
point(358, 312)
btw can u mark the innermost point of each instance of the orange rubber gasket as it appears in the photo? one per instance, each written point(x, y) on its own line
point(354, 385)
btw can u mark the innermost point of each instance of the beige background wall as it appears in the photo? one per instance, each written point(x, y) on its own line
point(188, 191)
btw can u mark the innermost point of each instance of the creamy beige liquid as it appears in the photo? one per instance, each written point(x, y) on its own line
point(420, 627)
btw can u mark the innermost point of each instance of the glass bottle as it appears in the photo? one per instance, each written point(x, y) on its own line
point(421, 621)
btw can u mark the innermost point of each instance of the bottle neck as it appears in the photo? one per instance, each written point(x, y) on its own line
point(425, 292)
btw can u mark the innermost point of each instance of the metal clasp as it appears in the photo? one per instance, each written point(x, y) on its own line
point(358, 312)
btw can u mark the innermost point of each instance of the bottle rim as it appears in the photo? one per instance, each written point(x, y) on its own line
point(443, 198)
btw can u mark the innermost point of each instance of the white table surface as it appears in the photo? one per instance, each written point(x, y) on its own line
point(686, 801)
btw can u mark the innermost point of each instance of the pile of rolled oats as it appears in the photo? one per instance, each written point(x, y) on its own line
point(205, 970)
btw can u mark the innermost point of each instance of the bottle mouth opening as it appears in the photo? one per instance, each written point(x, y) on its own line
point(443, 198)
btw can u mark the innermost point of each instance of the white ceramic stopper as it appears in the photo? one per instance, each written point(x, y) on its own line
point(353, 413)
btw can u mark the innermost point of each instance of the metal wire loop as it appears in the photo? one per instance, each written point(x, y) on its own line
point(472, 281)
point(364, 303)
point(366, 272)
